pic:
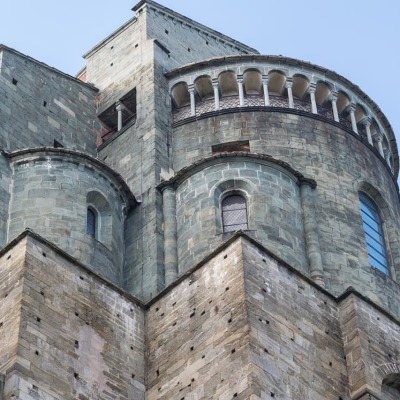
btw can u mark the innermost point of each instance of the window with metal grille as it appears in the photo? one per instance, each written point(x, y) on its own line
point(234, 213)
point(372, 225)
point(91, 222)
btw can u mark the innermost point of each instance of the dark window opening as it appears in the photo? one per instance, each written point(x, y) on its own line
point(91, 222)
point(234, 213)
point(231, 147)
point(109, 117)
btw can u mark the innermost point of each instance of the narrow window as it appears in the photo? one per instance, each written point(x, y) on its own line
point(372, 225)
point(91, 222)
point(234, 213)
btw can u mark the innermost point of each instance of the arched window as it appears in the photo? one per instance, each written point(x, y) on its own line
point(234, 213)
point(372, 225)
point(91, 222)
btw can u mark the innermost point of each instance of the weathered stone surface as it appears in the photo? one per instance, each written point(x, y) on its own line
point(221, 315)
point(65, 332)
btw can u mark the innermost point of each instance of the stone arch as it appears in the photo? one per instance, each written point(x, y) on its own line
point(252, 80)
point(228, 85)
point(98, 203)
point(360, 112)
point(229, 187)
point(343, 101)
point(389, 231)
point(276, 82)
point(300, 86)
point(390, 380)
point(180, 95)
point(322, 93)
point(204, 88)
point(360, 115)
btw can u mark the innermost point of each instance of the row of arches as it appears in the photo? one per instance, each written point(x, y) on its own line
point(276, 89)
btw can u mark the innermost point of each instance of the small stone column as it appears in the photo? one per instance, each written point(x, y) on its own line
point(311, 90)
point(311, 233)
point(333, 98)
point(192, 101)
point(289, 85)
point(378, 137)
point(119, 107)
point(241, 90)
point(386, 153)
point(215, 85)
point(353, 117)
point(170, 235)
point(265, 89)
point(367, 123)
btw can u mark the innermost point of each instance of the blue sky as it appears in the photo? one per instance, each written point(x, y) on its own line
point(358, 39)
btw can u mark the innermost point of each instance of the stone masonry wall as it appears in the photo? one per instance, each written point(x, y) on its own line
point(132, 59)
point(185, 41)
point(293, 340)
point(124, 62)
point(11, 276)
point(50, 196)
point(77, 337)
point(339, 163)
point(198, 343)
point(273, 209)
point(296, 340)
point(5, 181)
point(39, 104)
point(372, 348)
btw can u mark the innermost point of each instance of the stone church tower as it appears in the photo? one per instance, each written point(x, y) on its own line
point(189, 219)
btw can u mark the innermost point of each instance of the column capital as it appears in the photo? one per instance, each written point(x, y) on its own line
point(215, 82)
point(377, 136)
point(167, 188)
point(239, 78)
point(289, 83)
point(191, 88)
point(366, 121)
point(387, 153)
point(333, 96)
point(312, 88)
point(265, 79)
point(119, 106)
point(352, 107)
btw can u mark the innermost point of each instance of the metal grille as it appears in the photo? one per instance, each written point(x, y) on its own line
point(181, 113)
point(362, 132)
point(229, 102)
point(205, 106)
point(253, 101)
point(234, 213)
point(325, 112)
point(278, 101)
point(302, 105)
point(344, 121)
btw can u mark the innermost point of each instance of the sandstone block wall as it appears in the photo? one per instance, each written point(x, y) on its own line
point(74, 336)
point(5, 181)
point(273, 207)
point(39, 104)
point(297, 348)
point(340, 164)
point(51, 194)
point(372, 349)
point(294, 340)
point(198, 335)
